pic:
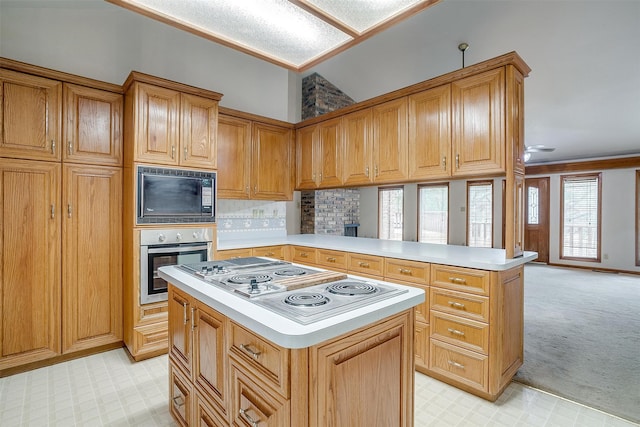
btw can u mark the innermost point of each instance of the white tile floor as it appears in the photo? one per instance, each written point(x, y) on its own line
point(107, 389)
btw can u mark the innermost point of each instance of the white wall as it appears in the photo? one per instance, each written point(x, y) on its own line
point(96, 39)
point(618, 221)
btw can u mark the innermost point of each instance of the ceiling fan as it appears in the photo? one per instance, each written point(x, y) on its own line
point(535, 149)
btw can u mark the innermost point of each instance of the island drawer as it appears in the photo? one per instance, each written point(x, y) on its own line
point(370, 265)
point(464, 366)
point(304, 255)
point(462, 304)
point(334, 260)
point(461, 332)
point(410, 271)
point(460, 279)
point(276, 252)
point(267, 360)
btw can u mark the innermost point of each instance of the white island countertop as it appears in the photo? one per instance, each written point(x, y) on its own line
point(460, 256)
point(281, 330)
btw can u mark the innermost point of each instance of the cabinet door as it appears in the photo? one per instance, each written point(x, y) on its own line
point(210, 356)
point(92, 126)
point(478, 123)
point(390, 141)
point(430, 134)
point(329, 158)
point(157, 124)
point(306, 139)
point(30, 114)
point(198, 147)
point(92, 256)
point(234, 157)
point(180, 398)
point(356, 131)
point(272, 163)
point(181, 312)
point(30, 261)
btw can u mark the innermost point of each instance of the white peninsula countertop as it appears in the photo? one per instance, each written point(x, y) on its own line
point(281, 330)
point(459, 256)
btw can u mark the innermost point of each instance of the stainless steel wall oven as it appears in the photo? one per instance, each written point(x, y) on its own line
point(160, 247)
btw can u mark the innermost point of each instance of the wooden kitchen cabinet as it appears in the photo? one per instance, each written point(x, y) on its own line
point(357, 151)
point(255, 159)
point(319, 155)
point(233, 253)
point(172, 124)
point(365, 265)
point(276, 252)
point(30, 259)
point(390, 141)
point(92, 121)
point(30, 114)
point(92, 256)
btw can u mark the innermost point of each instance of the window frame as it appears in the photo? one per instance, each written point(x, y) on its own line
point(381, 189)
point(563, 178)
point(478, 183)
point(638, 217)
point(434, 184)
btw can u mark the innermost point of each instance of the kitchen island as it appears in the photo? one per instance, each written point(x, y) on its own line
point(234, 362)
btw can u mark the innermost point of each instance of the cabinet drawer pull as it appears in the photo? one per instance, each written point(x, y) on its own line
point(179, 400)
point(269, 254)
point(458, 280)
point(455, 332)
point(251, 421)
point(363, 264)
point(331, 259)
point(457, 305)
point(303, 255)
point(247, 348)
point(405, 271)
point(456, 364)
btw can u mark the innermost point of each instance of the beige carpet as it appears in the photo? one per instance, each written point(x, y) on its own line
point(582, 337)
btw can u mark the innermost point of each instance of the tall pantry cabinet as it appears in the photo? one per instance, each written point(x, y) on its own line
point(60, 216)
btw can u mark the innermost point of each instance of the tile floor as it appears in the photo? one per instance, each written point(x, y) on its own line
point(136, 394)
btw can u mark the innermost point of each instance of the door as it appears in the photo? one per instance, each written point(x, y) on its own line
point(92, 263)
point(198, 146)
point(234, 157)
point(536, 228)
point(29, 261)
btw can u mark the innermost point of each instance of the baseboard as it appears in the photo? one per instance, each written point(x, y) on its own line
point(595, 269)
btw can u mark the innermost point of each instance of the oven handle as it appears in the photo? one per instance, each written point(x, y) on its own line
point(173, 249)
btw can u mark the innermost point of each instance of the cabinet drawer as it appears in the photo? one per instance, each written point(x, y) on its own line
point(367, 264)
point(181, 393)
point(267, 360)
point(467, 367)
point(276, 252)
point(462, 332)
point(334, 260)
point(303, 255)
point(206, 416)
point(460, 279)
point(233, 253)
point(410, 271)
point(254, 404)
point(471, 306)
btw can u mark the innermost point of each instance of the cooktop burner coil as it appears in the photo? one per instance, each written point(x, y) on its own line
point(306, 299)
point(289, 271)
point(245, 279)
point(352, 288)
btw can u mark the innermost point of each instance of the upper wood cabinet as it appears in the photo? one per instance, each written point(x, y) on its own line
point(430, 133)
point(92, 120)
point(30, 115)
point(255, 160)
point(478, 123)
point(171, 126)
point(319, 155)
point(390, 141)
point(357, 153)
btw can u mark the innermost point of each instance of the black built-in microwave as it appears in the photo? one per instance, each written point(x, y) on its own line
point(175, 196)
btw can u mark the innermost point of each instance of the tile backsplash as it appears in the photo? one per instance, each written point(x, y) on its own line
point(244, 219)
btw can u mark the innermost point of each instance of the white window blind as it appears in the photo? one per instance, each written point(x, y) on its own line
point(390, 213)
point(433, 214)
point(480, 215)
point(580, 221)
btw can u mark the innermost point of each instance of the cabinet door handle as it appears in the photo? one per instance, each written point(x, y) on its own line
point(455, 332)
point(457, 305)
point(70, 148)
point(248, 348)
point(405, 271)
point(53, 147)
point(320, 176)
point(255, 189)
point(193, 319)
point(444, 163)
point(173, 151)
point(366, 171)
point(457, 161)
point(246, 415)
point(69, 210)
point(363, 264)
point(456, 364)
point(375, 171)
point(458, 280)
point(53, 211)
point(247, 189)
point(184, 313)
point(186, 151)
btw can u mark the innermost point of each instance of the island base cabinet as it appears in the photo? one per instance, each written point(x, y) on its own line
point(206, 416)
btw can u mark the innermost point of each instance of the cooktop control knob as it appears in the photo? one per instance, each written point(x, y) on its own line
point(162, 237)
point(254, 287)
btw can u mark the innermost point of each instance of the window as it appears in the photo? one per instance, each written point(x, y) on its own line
point(580, 217)
point(433, 213)
point(480, 214)
point(390, 212)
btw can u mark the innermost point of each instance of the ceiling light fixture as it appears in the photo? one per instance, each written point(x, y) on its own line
point(295, 34)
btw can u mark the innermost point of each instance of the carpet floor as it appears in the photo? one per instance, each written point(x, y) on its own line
point(582, 337)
